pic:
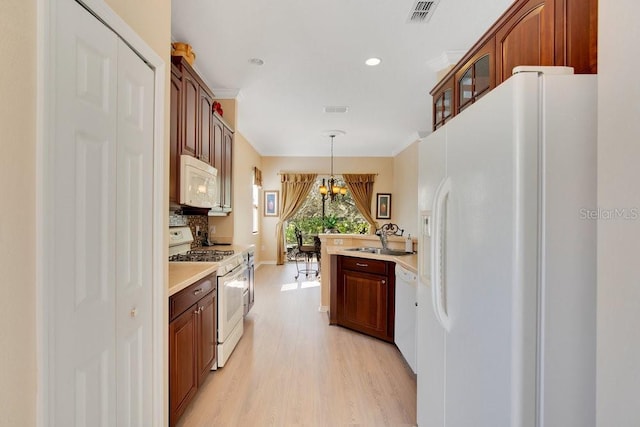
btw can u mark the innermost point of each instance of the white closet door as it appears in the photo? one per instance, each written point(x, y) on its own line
point(133, 238)
point(101, 168)
point(84, 198)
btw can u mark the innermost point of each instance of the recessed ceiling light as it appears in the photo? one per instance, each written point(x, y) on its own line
point(256, 61)
point(372, 62)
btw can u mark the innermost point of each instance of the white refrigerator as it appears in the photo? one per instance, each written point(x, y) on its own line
point(507, 293)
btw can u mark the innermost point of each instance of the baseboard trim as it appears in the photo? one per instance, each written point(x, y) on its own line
point(323, 308)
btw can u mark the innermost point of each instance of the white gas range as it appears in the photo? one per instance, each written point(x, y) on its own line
point(233, 286)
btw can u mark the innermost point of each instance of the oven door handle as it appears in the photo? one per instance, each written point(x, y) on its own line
point(235, 274)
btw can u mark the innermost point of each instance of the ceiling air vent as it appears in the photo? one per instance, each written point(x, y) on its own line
point(422, 11)
point(336, 109)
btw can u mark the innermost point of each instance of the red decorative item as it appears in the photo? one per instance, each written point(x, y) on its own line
point(217, 108)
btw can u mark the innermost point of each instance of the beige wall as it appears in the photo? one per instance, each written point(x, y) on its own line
point(17, 215)
point(618, 366)
point(272, 166)
point(405, 188)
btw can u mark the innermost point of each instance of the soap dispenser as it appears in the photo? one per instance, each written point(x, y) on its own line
point(408, 244)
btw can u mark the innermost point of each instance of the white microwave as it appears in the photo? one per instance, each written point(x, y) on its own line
point(198, 183)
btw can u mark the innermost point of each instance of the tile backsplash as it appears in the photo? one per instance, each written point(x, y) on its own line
point(194, 222)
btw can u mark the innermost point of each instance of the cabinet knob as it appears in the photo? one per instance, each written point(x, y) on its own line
point(384, 282)
point(197, 291)
point(134, 312)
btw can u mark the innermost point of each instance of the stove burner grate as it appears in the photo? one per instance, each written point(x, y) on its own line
point(202, 256)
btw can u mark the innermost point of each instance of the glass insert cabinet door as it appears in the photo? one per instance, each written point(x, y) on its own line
point(442, 107)
point(475, 82)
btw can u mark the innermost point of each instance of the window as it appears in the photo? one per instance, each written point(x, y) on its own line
point(255, 200)
point(309, 217)
point(255, 196)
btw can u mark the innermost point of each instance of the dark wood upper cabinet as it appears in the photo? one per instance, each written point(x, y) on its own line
point(175, 129)
point(526, 38)
point(191, 110)
point(197, 131)
point(579, 46)
point(218, 130)
point(205, 122)
point(476, 77)
point(530, 32)
point(191, 130)
point(443, 103)
point(223, 159)
point(227, 171)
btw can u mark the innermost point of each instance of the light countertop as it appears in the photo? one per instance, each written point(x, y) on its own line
point(183, 274)
point(410, 262)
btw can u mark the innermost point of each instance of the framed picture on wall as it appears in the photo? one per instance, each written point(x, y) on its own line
point(271, 201)
point(383, 205)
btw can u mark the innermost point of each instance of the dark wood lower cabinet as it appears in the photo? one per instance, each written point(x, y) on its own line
point(206, 323)
point(183, 381)
point(364, 296)
point(192, 342)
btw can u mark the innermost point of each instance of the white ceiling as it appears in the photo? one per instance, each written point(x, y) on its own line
point(314, 53)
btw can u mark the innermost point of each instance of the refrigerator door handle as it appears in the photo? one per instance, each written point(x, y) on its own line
point(438, 260)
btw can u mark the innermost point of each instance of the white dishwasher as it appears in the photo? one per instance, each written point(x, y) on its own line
point(406, 308)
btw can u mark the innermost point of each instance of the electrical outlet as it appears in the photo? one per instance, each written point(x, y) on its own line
point(197, 230)
point(212, 230)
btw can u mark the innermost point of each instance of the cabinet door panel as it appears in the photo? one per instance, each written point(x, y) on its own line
point(191, 101)
point(526, 39)
point(206, 335)
point(443, 103)
point(579, 19)
point(182, 363)
point(175, 134)
point(227, 169)
point(364, 298)
point(218, 130)
point(476, 77)
point(206, 131)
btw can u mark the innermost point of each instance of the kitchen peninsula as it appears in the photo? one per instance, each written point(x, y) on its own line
point(368, 287)
point(338, 244)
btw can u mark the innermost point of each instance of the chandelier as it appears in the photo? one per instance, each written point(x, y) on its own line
point(332, 189)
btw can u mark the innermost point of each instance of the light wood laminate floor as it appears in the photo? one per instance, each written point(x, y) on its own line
point(292, 368)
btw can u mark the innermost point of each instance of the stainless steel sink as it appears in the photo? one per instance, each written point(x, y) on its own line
point(380, 251)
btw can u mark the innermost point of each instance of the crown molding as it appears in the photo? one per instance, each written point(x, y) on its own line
point(445, 59)
point(224, 93)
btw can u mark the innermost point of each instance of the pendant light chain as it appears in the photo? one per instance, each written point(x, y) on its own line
point(332, 136)
point(327, 191)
